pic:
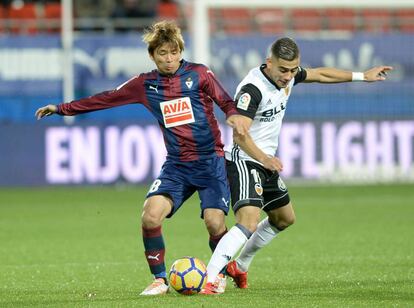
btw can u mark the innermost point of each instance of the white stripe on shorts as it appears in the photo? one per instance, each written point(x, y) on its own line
point(243, 171)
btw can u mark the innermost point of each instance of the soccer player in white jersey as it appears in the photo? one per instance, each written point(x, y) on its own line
point(253, 172)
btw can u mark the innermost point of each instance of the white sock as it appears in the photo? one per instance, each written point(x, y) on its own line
point(263, 235)
point(225, 251)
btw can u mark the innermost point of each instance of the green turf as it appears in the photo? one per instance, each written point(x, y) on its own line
point(350, 247)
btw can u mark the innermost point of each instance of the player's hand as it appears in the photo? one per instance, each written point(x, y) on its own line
point(377, 73)
point(273, 163)
point(45, 111)
point(239, 123)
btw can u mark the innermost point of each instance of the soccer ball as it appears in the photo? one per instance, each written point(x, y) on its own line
point(188, 275)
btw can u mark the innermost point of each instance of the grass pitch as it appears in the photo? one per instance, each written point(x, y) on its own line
point(75, 247)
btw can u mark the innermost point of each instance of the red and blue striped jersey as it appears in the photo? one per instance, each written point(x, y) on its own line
point(182, 104)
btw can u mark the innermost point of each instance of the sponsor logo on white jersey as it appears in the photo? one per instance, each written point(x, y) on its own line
point(177, 112)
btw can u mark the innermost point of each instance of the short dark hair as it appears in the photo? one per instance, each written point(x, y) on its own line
point(285, 48)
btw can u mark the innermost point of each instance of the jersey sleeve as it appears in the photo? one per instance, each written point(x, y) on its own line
point(215, 90)
point(300, 76)
point(131, 91)
point(248, 100)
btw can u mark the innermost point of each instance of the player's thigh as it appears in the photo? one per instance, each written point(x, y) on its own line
point(245, 179)
point(275, 192)
point(212, 185)
point(282, 217)
point(171, 184)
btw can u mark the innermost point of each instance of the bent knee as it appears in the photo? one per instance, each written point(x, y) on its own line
point(155, 209)
point(283, 222)
point(288, 221)
point(150, 219)
point(215, 228)
point(215, 223)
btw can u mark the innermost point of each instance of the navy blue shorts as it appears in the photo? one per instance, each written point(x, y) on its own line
point(179, 180)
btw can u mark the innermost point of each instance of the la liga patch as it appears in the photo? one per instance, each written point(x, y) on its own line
point(244, 101)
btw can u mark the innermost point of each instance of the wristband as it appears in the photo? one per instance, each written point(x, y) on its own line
point(358, 76)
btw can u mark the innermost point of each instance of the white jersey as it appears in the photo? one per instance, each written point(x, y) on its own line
point(258, 97)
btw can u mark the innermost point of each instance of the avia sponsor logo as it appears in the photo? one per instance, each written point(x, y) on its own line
point(270, 115)
point(177, 112)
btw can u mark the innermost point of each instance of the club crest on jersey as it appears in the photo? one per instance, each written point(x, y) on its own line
point(244, 101)
point(177, 112)
point(258, 188)
point(189, 82)
point(281, 184)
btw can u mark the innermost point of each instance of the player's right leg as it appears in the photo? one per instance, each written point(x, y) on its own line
point(247, 216)
point(164, 198)
point(214, 220)
point(156, 208)
point(213, 189)
point(247, 202)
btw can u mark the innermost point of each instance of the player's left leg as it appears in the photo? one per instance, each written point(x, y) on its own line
point(214, 220)
point(280, 215)
point(214, 194)
point(278, 220)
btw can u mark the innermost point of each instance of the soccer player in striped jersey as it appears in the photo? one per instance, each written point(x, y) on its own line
point(180, 95)
point(253, 170)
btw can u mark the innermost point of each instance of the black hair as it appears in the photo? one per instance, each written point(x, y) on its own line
point(285, 48)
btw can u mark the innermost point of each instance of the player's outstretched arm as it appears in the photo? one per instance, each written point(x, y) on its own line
point(334, 75)
point(45, 111)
